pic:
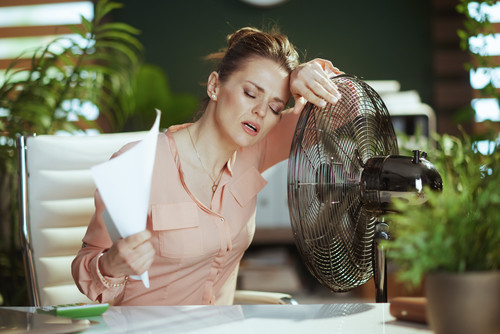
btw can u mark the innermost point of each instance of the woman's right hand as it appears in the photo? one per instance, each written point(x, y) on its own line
point(130, 256)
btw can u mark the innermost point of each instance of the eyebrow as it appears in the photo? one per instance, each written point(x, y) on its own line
point(259, 88)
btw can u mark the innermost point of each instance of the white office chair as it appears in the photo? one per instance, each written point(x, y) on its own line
point(56, 203)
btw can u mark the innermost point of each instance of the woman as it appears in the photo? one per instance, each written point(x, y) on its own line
point(205, 181)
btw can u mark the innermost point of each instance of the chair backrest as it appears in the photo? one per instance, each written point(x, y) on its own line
point(56, 192)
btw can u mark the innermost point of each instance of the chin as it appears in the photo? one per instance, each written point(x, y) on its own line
point(247, 142)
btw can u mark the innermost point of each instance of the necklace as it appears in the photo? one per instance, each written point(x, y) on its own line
point(215, 182)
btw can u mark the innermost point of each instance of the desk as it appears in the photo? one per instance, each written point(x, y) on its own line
point(255, 319)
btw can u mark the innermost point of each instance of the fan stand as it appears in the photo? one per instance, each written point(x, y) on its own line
point(380, 261)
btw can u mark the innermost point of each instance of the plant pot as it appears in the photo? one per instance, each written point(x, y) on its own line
point(464, 302)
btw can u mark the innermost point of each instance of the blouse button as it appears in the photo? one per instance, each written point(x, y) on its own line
point(222, 220)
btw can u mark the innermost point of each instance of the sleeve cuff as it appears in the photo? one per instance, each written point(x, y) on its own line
point(109, 282)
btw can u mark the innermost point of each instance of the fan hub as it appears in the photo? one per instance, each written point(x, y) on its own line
point(396, 176)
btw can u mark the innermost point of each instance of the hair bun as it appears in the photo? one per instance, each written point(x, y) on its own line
point(241, 34)
point(249, 42)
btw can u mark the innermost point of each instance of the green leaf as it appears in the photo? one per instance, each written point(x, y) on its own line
point(118, 26)
point(118, 36)
point(462, 34)
point(121, 48)
point(86, 23)
point(78, 31)
point(104, 7)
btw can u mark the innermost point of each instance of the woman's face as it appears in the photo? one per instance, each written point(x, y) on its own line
point(250, 101)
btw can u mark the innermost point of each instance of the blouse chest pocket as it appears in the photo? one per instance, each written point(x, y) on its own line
point(178, 228)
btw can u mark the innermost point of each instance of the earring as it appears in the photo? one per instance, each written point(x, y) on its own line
point(214, 97)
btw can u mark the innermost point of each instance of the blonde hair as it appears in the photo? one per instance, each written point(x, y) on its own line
point(249, 42)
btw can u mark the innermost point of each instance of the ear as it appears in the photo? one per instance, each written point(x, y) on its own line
point(213, 85)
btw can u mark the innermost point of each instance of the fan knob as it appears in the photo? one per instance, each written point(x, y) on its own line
point(417, 154)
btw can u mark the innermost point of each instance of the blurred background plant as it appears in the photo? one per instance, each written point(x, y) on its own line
point(150, 90)
point(476, 37)
point(97, 83)
point(477, 24)
point(458, 229)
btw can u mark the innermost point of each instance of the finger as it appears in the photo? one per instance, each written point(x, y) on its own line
point(142, 259)
point(337, 71)
point(314, 99)
point(326, 89)
point(320, 84)
point(328, 66)
point(144, 250)
point(139, 267)
point(319, 96)
point(137, 239)
point(300, 102)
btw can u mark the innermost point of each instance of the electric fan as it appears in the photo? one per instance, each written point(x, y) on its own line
point(343, 170)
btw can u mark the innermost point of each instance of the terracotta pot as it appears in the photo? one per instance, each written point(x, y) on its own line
point(464, 302)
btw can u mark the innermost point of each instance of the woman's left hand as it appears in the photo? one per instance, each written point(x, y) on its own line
point(311, 82)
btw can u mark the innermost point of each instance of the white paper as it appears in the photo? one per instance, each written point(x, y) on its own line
point(124, 184)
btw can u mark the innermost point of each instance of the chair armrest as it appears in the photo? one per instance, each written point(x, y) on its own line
point(262, 297)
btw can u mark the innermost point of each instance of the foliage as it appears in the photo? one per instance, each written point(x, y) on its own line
point(476, 25)
point(151, 90)
point(62, 78)
point(457, 229)
point(96, 70)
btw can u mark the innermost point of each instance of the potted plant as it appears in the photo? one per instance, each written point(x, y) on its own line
point(453, 239)
point(102, 69)
point(64, 77)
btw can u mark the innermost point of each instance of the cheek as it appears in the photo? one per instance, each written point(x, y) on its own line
point(233, 102)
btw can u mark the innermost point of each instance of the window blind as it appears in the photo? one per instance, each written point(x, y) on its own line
point(486, 107)
point(30, 24)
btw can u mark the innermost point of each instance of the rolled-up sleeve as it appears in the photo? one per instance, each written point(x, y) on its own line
point(84, 267)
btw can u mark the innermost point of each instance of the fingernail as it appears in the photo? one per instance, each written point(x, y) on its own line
point(334, 99)
point(322, 104)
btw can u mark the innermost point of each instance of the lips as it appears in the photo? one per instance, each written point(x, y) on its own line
point(250, 127)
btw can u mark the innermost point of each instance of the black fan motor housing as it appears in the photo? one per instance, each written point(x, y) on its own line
point(396, 176)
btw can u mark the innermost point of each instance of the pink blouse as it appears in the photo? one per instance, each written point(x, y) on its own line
point(197, 249)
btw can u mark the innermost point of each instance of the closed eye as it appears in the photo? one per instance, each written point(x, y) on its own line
point(249, 95)
point(275, 111)
point(276, 108)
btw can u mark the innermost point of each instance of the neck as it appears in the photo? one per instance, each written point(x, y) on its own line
point(214, 149)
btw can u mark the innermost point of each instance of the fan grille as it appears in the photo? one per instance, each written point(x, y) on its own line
point(333, 231)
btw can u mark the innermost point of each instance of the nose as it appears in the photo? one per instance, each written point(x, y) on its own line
point(260, 109)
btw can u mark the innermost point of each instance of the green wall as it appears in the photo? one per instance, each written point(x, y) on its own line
point(376, 40)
